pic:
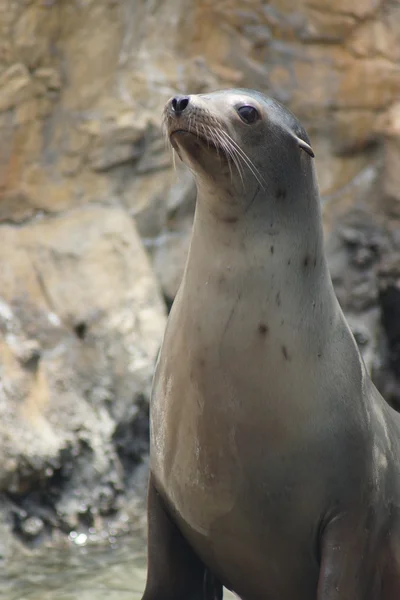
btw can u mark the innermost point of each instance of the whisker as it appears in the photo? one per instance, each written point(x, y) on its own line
point(227, 149)
point(190, 123)
point(247, 160)
point(233, 152)
point(236, 158)
point(164, 129)
point(238, 163)
point(215, 139)
point(206, 135)
point(252, 167)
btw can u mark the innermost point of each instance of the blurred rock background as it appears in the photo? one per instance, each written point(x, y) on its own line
point(95, 222)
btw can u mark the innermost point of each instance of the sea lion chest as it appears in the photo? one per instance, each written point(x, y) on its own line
point(219, 422)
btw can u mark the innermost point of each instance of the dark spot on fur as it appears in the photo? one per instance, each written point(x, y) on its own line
point(289, 261)
point(278, 298)
point(263, 329)
point(283, 322)
point(306, 260)
point(202, 362)
point(221, 279)
point(272, 249)
point(285, 353)
point(229, 219)
point(281, 194)
point(319, 354)
point(315, 261)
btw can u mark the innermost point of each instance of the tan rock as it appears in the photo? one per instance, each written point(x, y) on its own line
point(15, 86)
point(391, 177)
point(50, 77)
point(327, 26)
point(359, 8)
point(169, 259)
point(388, 123)
point(354, 131)
point(371, 83)
point(81, 321)
point(119, 143)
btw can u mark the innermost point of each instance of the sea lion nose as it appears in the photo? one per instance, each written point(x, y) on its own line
point(179, 103)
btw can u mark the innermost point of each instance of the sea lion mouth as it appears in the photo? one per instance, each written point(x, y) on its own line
point(203, 139)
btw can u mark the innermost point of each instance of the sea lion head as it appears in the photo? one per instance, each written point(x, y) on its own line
point(240, 144)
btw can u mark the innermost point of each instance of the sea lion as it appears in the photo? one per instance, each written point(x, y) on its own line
point(275, 462)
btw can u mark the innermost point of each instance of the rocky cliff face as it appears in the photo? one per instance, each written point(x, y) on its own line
point(94, 222)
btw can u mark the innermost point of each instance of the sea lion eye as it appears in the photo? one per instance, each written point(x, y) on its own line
point(248, 114)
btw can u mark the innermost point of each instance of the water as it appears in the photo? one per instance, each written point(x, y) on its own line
point(117, 573)
point(89, 573)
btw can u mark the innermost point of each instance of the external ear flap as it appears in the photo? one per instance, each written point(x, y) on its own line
point(304, 146)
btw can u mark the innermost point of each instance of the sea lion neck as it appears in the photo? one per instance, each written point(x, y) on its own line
point(277, 274)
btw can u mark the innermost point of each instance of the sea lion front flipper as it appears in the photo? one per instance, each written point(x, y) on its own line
point(174, 572)
point(351, 560)
point(213, 589)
